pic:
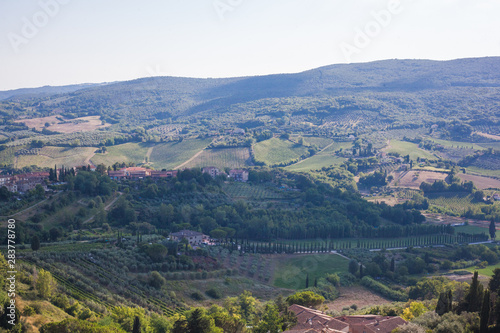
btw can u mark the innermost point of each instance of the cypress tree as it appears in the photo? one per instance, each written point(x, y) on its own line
point(485, 313)
point(393, 265)
point(492, 229)
point(474, 297)
point(137, 325)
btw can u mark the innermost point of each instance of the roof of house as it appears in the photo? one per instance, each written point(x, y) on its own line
point(310, 318)
point(385, 325)
point(237, 171)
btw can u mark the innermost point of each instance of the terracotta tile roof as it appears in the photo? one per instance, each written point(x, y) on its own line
point(310, 318)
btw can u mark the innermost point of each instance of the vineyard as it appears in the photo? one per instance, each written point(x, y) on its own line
point(222, 158)
point(82, 139)
point(454, 203)
point(93, 277)
point(246, 191)
point(172, 154)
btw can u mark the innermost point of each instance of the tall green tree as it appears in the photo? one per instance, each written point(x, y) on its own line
point(35, 243)
point(492, 229)
point(474, 298)
point(137, 325)
point(45, 284)
point(271, 321)
point(485, 313)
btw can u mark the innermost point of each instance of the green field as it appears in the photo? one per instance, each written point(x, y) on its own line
point(488, 271)
point(404, 148)
point(237, 190)
point(455, 144)
point(470, 229)
point(130, 152)
point(222, 158)
point(276, 151)
point(317, 141)
point(50, 156)
point(316, 162)
point(483, 172)
point(323, 158)
point(172, 154)
point(291, 272)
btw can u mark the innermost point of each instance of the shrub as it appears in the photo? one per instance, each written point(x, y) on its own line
point(383, 289)
point(214, 293)
point(29, 311)
point(197, 296)
point(306, 298)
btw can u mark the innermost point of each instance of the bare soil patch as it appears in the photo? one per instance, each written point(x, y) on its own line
point(413, 178)
point(82, 124)
point(489, 136)
point(480, 181)
point(358, 295)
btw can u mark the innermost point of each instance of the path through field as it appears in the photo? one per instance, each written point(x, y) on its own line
point(318, 153)
point(106, 208)
point(192, 158)
point(30, 207)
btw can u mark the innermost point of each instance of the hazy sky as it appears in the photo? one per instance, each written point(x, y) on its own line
point(58, 42)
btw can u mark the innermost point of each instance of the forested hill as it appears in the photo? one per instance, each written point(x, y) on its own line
point(393, 88)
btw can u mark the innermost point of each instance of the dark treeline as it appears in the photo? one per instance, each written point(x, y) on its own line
point(195, 201)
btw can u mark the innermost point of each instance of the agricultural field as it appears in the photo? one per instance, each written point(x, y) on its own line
point(127, 152)
point(452, 202)
point(173, 155)
point(49, 156)
point(317, 141)
point(484, 172)
point(222, 158)
point(276, 151)
point(471, 229)
point(291, 271)
point(237, 190)
point(413, 178)
point(8, 156)
point(82, 124)
point(480, 182)
point(404, 148)
point(316, 162)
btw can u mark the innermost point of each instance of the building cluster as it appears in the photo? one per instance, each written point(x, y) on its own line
point(193, 237)
point(314, 321)
point(24, 182)
point(238, 175)
point(135, 173)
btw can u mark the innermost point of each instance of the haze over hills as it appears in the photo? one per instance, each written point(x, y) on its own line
point(430, 89)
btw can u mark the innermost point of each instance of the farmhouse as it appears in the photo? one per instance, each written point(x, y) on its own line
point(239, 175)
point(136, 173)
point(193, 237)
point(212, 171)
point(23, 182)
point(311, 321)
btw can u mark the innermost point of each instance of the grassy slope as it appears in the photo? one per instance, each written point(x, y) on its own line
point(50, 156)
point(291, 272)
point(324, 158)
point(404, 148)
point(171, 154)
point(274, 151)
point(127, 152)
